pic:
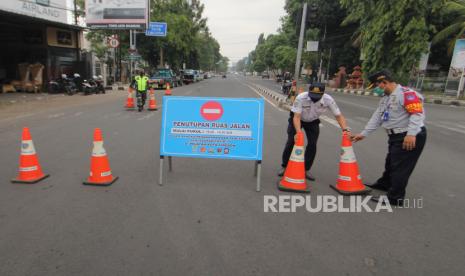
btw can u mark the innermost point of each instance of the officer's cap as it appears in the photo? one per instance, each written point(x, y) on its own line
point(316, 88)
point(379, 76)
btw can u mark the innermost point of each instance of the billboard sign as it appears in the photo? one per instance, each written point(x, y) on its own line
point(117, 14)
point(222, 128)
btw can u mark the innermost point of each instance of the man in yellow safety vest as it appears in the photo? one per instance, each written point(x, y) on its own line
point(141, 82)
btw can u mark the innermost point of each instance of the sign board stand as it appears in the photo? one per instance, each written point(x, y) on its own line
point(212, 128)
point(257, 170)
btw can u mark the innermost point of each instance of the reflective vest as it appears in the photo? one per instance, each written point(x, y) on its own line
point(141, 83)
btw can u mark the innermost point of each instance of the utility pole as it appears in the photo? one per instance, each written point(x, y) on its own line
point(321, 56)
point(301, 42)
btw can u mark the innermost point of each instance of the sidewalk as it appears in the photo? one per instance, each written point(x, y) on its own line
point(7, 99)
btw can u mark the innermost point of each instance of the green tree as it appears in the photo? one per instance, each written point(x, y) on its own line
point(453, 9)
point(392, 33)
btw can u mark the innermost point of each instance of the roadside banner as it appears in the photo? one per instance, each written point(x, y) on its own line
point(221, 128)
point(454, 84)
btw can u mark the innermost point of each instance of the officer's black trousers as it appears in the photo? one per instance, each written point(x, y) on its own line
point(143, 95)
point(312, 130)
point(400, 164)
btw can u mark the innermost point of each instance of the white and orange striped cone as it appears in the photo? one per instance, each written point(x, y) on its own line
point(130, 99)
point(349, 181)
point(100, 172)
point(294, 177)
point(152, 100)
point(168, 90)
point(29, 168)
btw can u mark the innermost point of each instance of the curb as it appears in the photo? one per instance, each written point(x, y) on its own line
point(427, 99)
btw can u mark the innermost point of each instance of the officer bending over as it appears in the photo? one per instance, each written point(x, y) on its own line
point(305, 113)
point(401, 114)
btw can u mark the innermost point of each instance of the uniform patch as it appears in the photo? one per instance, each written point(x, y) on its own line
point(412, 102)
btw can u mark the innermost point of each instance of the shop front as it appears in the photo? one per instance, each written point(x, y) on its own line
point(36, 44)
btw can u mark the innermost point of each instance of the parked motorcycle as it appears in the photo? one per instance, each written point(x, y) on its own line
point(63, 85)
point(99, 83)
point(88, 87)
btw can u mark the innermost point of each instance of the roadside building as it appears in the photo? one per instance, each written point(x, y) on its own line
point(39, 41)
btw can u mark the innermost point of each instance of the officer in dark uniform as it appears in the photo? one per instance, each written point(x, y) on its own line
point(401, 114)
point(305, 113)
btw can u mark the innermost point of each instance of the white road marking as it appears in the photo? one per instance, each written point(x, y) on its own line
point(329, 120)
point(339, 100)
point(446, 127)
point(57, 115)
point(145, 116)
point(78, 114)
point(24, 116)
point(253, 89)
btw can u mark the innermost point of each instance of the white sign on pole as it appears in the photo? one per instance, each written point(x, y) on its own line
point(312, 46)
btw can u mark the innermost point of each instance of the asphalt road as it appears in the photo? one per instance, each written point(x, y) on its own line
point(207, 219)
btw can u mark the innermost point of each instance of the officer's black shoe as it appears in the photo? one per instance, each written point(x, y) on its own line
point(376, 186)
point(392, 202)
point(309, 176)
point(281, 171)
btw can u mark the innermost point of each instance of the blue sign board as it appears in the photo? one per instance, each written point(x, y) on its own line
point(157, 29)
point(224, 128)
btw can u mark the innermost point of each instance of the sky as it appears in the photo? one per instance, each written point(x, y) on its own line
point(236, 24)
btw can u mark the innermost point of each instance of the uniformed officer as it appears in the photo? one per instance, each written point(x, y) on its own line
point(141, 82)
point(305, 113)
point(401, 114)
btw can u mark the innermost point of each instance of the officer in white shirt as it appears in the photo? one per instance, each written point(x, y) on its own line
point(305, 113)
point(400, 112)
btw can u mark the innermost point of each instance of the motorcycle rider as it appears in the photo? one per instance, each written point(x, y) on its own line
point(141, 83)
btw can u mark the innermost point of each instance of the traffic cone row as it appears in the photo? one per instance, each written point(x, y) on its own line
point(100, 172)
point(130, 99)
point(168, 90)
point(152, 101)
point(349, 181)
point(294, 177)
point(30, 170)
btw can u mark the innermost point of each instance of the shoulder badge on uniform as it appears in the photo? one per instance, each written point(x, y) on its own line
point(412, 102)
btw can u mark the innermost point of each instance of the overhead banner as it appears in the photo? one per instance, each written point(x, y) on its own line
point(117, 14)
point(223, 128)
point(454, 82)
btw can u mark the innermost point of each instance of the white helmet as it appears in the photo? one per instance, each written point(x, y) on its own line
point(63, 76)
point(76, 75)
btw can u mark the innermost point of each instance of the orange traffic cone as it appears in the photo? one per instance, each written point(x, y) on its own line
point(100, 172)
point(349, 181)
point(130, 100)
point(294, 177)
point(29, 168)
point(168, 90)
point(152, 101)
